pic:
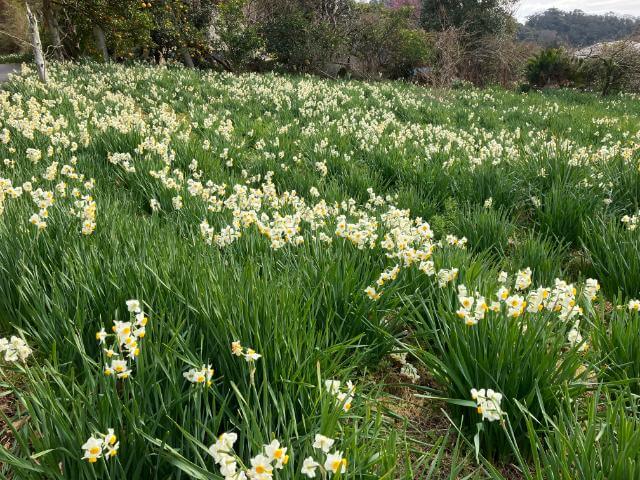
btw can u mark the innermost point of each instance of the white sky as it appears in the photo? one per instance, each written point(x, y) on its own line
point(621, 7)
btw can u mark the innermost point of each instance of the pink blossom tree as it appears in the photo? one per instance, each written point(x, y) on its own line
point(414, 4)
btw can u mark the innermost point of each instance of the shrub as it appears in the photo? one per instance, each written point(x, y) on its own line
point(237, 37)
point(552, 66)
point(300, 38)
point(613, 67)
point(385, 41)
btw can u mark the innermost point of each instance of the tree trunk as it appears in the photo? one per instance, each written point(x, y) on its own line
point(101, 42)
point(37, 45)
point(54, 30)
point(186, 57)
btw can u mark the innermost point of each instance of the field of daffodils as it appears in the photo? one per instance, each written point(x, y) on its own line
point(216, 276)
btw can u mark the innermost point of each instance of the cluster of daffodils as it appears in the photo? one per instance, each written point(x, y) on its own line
point(562, 299)
point(85, 209)
point(473, 308)
point(334, 462)
point(574, 337)
point(488, 404)
point(126, 345)
point(591, 289)
point(249, 354)
point(631, 221)
point(202, 376)
point(343, 394)
point(446, 276)
point(284, 218)
point(55, 183)
point(93, 111)
point(99, 445)
point(15, 349)
point(43, 199)
point(262, 466)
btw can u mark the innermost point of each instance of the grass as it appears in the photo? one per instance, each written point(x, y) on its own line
point(326, 225)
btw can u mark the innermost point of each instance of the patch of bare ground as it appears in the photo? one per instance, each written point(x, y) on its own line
point(8, 409)
point(427, 425)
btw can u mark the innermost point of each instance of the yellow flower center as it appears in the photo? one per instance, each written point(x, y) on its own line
point(260, 469)
point(94, 450)
point(93, 459)
point(278, 453)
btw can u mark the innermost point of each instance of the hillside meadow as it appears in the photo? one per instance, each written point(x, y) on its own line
point(206, 275)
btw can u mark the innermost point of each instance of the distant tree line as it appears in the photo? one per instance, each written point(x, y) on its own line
point(553, 28)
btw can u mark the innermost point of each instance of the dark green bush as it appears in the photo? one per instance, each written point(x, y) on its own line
point(300, 39)
point(552, 66)
point(386, 41)
point(238, 39)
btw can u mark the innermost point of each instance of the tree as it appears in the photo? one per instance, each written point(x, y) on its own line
point(387, 42)
point(576, 28)
point(38, 56)
point(613, 66)
point(489, 17)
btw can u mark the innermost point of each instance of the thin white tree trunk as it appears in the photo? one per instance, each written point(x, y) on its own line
point(101, 42)
point(37, 45)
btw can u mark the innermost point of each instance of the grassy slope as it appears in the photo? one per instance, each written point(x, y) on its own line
point(302, 308)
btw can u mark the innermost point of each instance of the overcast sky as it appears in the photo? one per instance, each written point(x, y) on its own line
point(528, 7)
